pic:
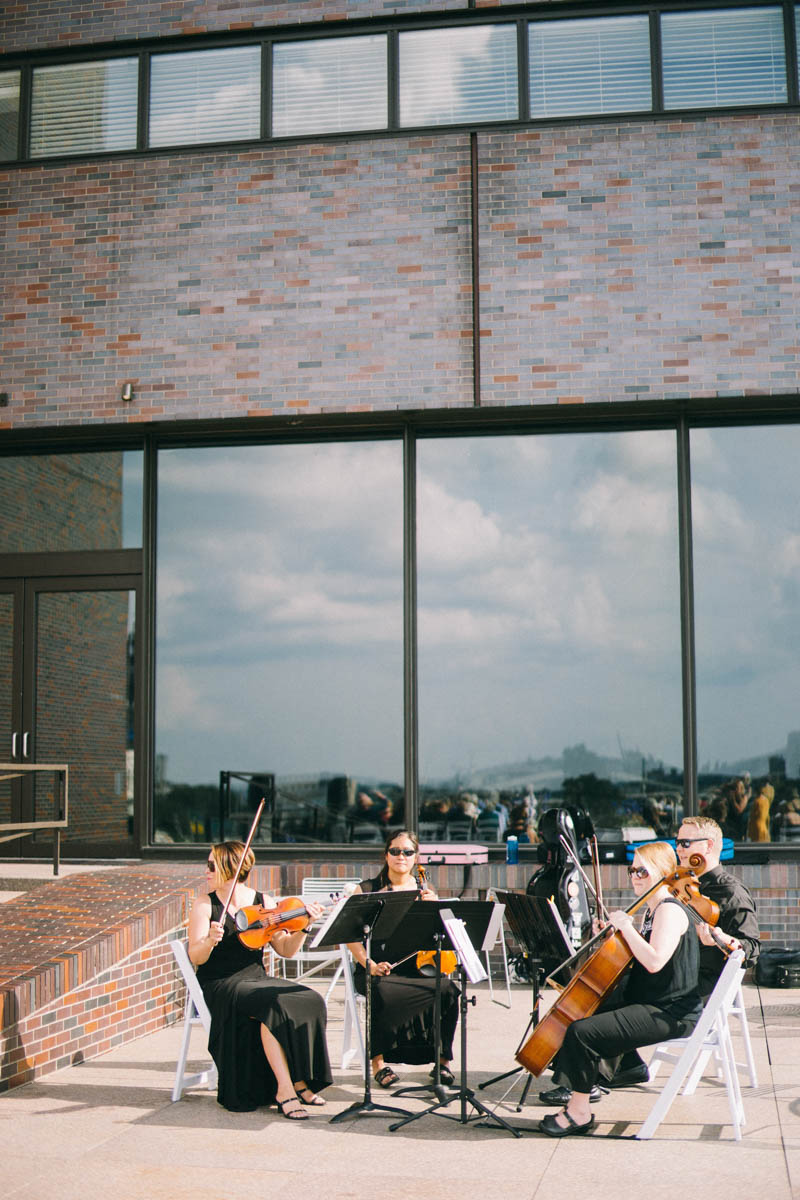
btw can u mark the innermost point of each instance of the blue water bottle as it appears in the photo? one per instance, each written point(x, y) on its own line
point(512, 850)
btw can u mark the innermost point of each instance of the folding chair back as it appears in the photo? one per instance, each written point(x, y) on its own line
point(711, 1035)
point(321, 888)
point(353, 1038)
point(196, 1012)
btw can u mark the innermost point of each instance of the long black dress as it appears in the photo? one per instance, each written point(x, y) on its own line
point(402, 1008)
point(241, 997)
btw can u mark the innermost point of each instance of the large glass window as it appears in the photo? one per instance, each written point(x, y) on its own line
point(83, 501)
point(84, 108)
point(329, 85)
point(746, 523)
point(595, 66)
point(279, 641)
point(724, 57)
point(9, 114)
point(205, 96)
point(549, 639)
point(455, 75)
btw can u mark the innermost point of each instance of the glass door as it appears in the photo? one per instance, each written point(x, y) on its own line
point(73, 647)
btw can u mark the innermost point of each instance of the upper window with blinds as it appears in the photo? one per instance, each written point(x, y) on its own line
point(329, 85)
point(723, 58)
point(453, 76)
point(599, 65)
point(9, 114)
point(84, 108)
point(205, 96)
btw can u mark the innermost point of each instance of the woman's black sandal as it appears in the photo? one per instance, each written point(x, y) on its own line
point(386, 1077)
point(314, 1101)
point(445, 1074)
point(294, 1114)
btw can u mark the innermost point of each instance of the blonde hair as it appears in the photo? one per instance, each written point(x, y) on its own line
point(706, 827)
point(659, 858)
point(226, 855)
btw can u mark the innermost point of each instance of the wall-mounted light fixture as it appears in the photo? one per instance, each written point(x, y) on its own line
point(127, 391)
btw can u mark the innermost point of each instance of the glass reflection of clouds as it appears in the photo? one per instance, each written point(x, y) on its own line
point(449, 76)
point(205, 96)
point(329, 85)
point(747, 591)
point(279, 610)
point(548, 598)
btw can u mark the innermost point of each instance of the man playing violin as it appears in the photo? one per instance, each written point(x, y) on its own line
point(737, 924)
point(267, 1035)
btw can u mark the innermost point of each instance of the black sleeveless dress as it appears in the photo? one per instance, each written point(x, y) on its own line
point(402, 1008)
point(241, 997)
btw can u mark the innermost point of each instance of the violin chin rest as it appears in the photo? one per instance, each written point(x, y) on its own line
point(242, 921)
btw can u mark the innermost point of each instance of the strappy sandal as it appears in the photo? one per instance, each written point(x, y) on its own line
point(386, 1077)
point(445, 1074)
point(294, 1114)
point(313, 1101)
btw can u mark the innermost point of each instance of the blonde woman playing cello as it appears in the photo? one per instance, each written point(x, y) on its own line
point(658, 1000)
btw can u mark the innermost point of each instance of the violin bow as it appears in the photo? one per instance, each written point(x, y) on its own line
point(250, 837)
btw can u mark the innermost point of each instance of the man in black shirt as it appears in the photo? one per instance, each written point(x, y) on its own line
point(738, 923)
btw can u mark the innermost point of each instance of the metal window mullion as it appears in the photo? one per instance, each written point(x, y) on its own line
point(393, 79)
point(656, 71)
point(790, 42)
point(410, 678)
point(523, 72)
point(686, 584)
point(266, 90)
point(143, 117)
point(24, 116)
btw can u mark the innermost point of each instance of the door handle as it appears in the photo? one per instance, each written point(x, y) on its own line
point(14, 745)
point(25, 737)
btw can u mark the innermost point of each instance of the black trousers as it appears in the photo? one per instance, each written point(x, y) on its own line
point(609, 1034)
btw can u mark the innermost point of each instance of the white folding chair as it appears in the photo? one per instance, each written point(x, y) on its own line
point(321, 888)
point(353, 1038)
point(502, 939)
point(196, 1012)
point(711, 1035)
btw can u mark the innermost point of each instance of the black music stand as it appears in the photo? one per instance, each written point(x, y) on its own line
point(539, 930)
point(360, 918)
point(476, 923)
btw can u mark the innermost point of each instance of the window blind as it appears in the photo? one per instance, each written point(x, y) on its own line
point(598, 65)
point(84, 108)
point(9, 114)
point(205, 96)
point(329, 85)
point(725, 57)
point(450, 76)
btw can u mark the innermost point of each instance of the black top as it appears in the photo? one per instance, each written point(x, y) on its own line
point(737, 917)
point(674, 987)
point(229, 955)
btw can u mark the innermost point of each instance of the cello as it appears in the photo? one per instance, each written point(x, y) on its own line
point(595, 980)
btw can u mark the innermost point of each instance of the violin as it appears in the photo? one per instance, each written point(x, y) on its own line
point(590, 985)
point(256, 925)
point(426, 959)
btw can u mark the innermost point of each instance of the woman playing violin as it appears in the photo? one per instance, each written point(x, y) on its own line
point(402, 996)
point(658, 1000)
point(267, 1035)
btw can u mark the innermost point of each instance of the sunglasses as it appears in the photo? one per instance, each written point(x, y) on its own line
point(395, 852)
point(638, 872)
point(211, 865)
point(685, 843)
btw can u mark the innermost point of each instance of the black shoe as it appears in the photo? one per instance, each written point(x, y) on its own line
point(561, 1095)
point(629, 1077)
point(550, 1126)
point(445, 1075)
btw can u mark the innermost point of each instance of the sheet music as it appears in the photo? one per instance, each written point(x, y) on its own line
point(467, 955)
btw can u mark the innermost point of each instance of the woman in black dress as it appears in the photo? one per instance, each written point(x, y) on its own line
point(658, 1000)
point(403, 997)
point(267, 1035)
